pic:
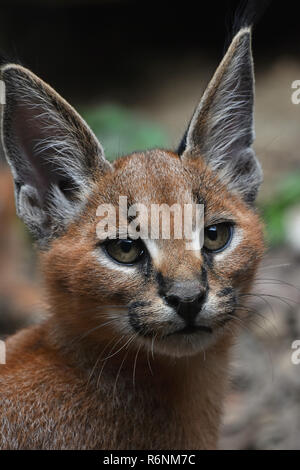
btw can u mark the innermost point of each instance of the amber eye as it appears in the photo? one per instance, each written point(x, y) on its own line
point(217, 237)
point(125, 251)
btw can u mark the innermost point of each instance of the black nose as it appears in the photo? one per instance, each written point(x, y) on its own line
point(187, 307)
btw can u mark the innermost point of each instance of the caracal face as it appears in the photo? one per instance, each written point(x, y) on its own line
point(158, 292)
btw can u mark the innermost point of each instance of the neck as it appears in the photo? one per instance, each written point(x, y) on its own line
point(188, 392)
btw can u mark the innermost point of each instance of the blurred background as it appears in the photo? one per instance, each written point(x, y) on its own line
point(135, 71)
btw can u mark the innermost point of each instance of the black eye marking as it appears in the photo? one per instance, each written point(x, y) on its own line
point(161, 281)
point(208, 259)
point(203, 275)
point(147, 267)
point(224, 292)
point(198, 198)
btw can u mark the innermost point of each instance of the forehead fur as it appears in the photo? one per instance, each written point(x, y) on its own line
point(160, 176)
point(155, 176)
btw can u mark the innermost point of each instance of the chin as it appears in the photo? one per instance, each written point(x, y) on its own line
point(184, 345)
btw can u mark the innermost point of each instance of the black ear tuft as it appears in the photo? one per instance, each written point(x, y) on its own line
point(6, 59)
point(247, 15)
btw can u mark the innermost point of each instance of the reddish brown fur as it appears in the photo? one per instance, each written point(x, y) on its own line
point(50, 373)
point(85, 378)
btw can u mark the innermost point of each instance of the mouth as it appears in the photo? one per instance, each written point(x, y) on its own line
point(191, 329)
point(186, 341)
point(183, 341)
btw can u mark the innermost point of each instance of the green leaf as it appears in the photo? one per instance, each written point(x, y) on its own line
point(122, 132)
point(287, 195)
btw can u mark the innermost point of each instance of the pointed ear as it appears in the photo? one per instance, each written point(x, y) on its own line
point(54, 156)
point(221, 130)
